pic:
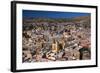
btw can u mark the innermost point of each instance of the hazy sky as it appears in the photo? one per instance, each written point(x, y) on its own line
point(52, 14)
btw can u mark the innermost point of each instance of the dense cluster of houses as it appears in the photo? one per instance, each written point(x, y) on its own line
point(43, 42)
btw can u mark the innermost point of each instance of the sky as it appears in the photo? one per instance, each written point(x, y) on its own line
point(52, 14)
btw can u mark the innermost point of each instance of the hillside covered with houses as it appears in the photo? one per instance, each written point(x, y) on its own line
point(58, 39)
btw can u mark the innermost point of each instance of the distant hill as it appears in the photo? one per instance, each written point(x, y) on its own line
point(75, 19)
point(85, 21)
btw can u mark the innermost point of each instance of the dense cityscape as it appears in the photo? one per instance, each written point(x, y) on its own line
point(51, 40)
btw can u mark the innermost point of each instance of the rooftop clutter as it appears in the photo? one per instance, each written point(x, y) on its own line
point(55, 41)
